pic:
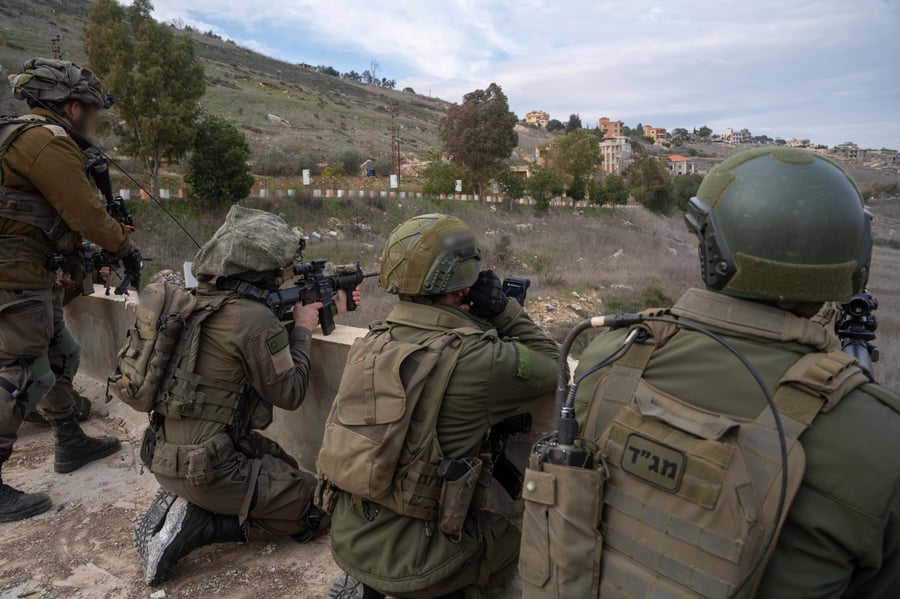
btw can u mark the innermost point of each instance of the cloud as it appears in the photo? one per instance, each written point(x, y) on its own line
point(825, 67)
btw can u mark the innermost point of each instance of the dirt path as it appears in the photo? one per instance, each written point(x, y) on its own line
point(82, 547)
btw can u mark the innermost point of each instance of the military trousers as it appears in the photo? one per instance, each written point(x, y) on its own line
point(262, 485)
point(31, 326)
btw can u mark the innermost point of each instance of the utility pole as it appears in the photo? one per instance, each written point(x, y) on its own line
point(395, 142)
point(54, 46)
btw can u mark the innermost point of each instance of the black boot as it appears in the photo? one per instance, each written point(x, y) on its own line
point(74, 449)
point(16, 505)
point(186, 528)
point(348, 587)
point(152, 520)
point(317, 524)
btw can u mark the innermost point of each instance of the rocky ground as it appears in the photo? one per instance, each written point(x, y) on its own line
point(82, 547)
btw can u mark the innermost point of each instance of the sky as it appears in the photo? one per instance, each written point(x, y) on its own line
point(826, 70)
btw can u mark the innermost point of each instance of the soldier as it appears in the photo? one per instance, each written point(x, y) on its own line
point(47, 205)
point(781, 232)
point(221, 479)
point(484, 359)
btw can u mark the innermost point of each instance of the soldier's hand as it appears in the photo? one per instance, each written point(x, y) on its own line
point(486, 298)
point(307, 316)
point(340, 300)
point(133, 263)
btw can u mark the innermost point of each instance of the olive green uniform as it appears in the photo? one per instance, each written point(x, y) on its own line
point(842, 534)
point(242, 346)
point(512, 363)
point(44, 162)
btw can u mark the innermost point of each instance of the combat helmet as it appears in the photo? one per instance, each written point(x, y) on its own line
point(250, 241)
point(430, 254)
point(57, 81)
point(781, 224)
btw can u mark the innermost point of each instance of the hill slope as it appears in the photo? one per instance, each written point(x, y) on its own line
point(325, 114)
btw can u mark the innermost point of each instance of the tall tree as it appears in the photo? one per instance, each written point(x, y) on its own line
point(479, 135)
point(650, 183)
point(543, 185)
point(574, 157)
point(154, 76)
point(704, 132)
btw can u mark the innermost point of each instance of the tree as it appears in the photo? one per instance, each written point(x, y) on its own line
point(555, 125)
point(704, 132)
point(155, 77)
point(615, 192)
point(574, 157)
point(511, 184)
point(326, 70)
point(543, 185)
point(440, 178)
point(479, 135)
point(684, 187)
point(573, 123)
point(409, 90)
point(218, 167)
point(650, 184)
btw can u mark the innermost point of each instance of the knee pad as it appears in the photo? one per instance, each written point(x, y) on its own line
point(42, 380)
point(70, 349)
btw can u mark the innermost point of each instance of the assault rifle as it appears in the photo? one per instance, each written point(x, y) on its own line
point(855, 326)
point(312, 286)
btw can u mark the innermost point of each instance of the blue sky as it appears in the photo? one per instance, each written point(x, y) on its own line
point(828, 70)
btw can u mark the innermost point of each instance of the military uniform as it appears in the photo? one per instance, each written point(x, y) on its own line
point(242, 346)
point(48, 204)
point(221, 479)
point(492, 361)
point(841, 534)
point(693, 461)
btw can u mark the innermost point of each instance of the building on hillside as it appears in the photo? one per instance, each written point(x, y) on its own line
point(681, 165)
point(847, 151)
point(659, 135)
point(537, 117)
point(798, 143)
point(609, 127)
point(616, 153)
point(736, 137)
point(883, 158)
point(522, 170)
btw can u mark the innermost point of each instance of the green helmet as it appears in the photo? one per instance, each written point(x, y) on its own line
point(250, 241)
point(58, 81)
point(430, 254)
point(781, 224)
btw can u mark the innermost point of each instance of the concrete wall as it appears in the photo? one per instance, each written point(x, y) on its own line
point(100, 323)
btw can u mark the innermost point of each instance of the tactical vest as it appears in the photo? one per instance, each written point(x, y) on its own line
point(380, 442)
point(30, 208)
point(684, 498)
point(189, 394)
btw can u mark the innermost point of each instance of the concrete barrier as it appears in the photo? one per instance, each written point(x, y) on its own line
point(100, 322)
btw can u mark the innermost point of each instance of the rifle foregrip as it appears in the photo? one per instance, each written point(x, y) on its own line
point(326, 319)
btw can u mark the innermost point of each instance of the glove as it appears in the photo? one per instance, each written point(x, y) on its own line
point(133, 263)
point(486, 298)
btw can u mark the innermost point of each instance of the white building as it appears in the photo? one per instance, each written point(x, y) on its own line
point(616, 152)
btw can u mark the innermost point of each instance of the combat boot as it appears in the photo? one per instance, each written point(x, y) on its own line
point(152, 520)
point(16, 505)
point(187, 527)
point(74, 449)
point(317, 524)
point(348, 587)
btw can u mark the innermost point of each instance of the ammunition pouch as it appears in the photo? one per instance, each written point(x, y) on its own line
point(194, 463)
point(456, 499)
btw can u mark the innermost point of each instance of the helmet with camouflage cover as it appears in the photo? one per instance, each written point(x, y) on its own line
point(58, 81)
point(250, 241)
point(430, 254)
point(781, 224)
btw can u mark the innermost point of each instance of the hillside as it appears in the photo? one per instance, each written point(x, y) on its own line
point(324, 114)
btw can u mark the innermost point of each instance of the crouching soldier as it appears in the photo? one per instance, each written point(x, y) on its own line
point(221, 479)
point(403, 464)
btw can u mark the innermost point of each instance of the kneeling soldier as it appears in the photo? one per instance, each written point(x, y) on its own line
point(222, 480)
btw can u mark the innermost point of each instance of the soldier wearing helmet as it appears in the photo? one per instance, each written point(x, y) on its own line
point(47, 205)
point(492, 361)
point(221, 479)
point(781, 232)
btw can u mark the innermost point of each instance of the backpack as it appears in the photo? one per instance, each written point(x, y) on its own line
point(380, 442)
point(682, 500)
point(142, 363)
